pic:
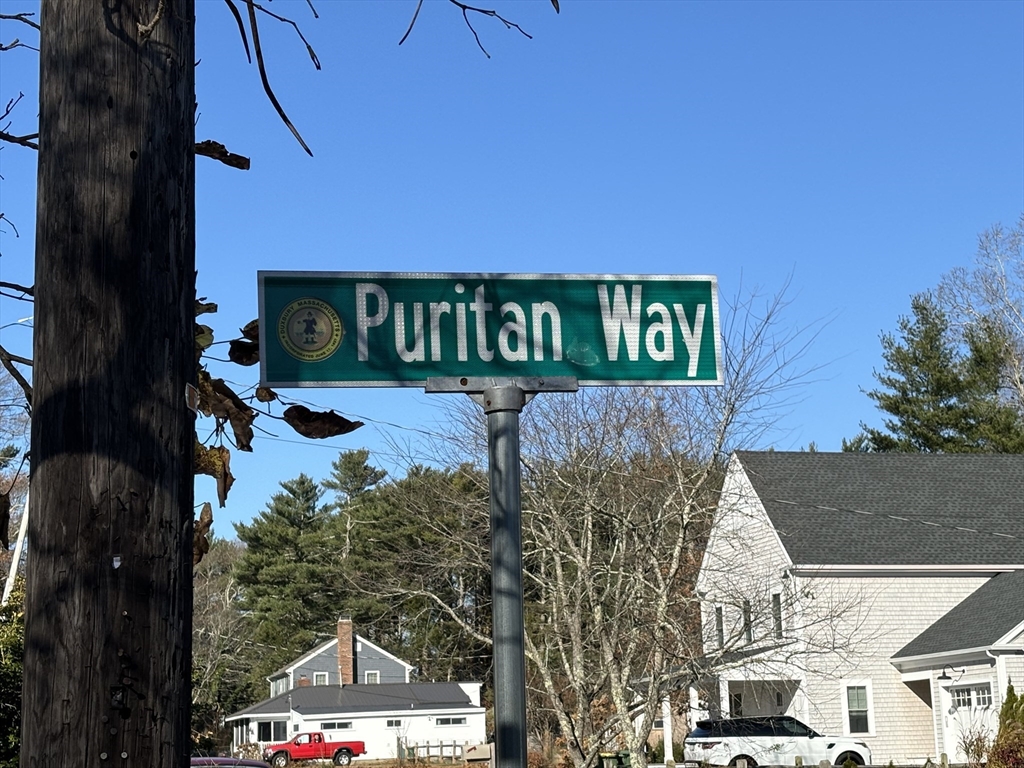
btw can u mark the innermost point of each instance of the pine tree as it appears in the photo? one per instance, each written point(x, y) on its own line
point(1008, 748)
point(941, 396)
point(288, 578)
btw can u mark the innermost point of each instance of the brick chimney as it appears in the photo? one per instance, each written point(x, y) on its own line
point(302, 682)
point(346, 648)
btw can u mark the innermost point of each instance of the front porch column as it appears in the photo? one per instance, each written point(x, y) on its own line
point(666, 731)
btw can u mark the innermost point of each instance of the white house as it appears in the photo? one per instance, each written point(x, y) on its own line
point(876, 595)
point(388, 717)
point(351, 689)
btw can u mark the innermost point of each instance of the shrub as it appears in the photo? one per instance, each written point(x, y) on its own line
point(656, 753)
point(1008, 748)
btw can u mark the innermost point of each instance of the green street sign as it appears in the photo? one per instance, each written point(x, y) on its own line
point(394, 329)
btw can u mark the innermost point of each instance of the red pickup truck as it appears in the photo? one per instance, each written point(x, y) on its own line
point(313, 746)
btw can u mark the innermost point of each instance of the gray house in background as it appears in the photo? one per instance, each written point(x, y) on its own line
point(346, 659)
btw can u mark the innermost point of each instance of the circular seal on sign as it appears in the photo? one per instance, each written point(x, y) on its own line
point(310, 330)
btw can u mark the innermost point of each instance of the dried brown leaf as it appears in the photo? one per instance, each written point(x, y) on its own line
point(265, 394)
point(204, 337)
point(215, 462)
point(318, 424)
point(217, 399)
point(204, 307)
point(226, 480)
point(200, 542)
point(243, 352)
point(251, 330)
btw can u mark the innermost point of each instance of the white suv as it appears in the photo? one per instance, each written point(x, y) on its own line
point(776, 740)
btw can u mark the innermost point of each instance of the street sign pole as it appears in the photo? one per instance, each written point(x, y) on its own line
point(503, 401)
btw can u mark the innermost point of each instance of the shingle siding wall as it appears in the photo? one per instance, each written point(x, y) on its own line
point(369, 659)
point(892, 612)
point(742, 562)
point(1015, 673)
point(325, 661)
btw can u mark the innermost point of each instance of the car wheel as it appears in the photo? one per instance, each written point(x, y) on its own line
point(849, 756)
point(344, 757)
point(280, 760)
point(751, 762)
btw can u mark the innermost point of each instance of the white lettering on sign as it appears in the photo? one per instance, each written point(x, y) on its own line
point(364, 321)
point(691, 336)
point(621, 320)
point(481, 308)
point(514, 335)
point(551, 311)
point(621, 317)
point(416, 353)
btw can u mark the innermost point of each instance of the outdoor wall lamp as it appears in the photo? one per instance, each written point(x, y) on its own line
point(945, 676)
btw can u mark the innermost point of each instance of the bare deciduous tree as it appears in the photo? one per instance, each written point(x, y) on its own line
point(991, 293)
point(619, 490)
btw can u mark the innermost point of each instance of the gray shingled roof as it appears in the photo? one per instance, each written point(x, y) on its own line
point(835, 508)
point(977, 622)
point(360, 698)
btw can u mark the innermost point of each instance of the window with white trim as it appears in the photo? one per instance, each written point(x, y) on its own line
point(450, 721)
point(961, 696)
point(720, 627)
point(748, 624)
point(338, 726)
point(983, 695)
point(319, 678)
point(372, 677)
point(394, 724)
point(858, 717)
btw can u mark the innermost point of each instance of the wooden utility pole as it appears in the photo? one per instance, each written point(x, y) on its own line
point(108, 624)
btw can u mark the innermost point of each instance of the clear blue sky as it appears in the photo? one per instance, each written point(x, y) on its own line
point(858, 147)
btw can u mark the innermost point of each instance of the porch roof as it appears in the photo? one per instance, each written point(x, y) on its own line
point(979, 621)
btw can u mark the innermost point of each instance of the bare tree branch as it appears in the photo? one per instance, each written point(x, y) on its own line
point(466, 9)
point(271, 14)
point(241, 28)
point(11, 105)
point(254, 28)
point(3, 218)
point(22, 17)
point(412, 23)
point(8, 360)
point(25, 141)
point(15, 286)
point(16, 43)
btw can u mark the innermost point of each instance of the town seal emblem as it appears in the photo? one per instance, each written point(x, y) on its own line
point(310, 330)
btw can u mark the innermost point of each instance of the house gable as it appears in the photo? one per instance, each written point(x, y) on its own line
point(371, 658)
point(742, 572)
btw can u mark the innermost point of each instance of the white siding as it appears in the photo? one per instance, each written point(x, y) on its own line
point(415, 728)
point(743, 565)
point(881, 615)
